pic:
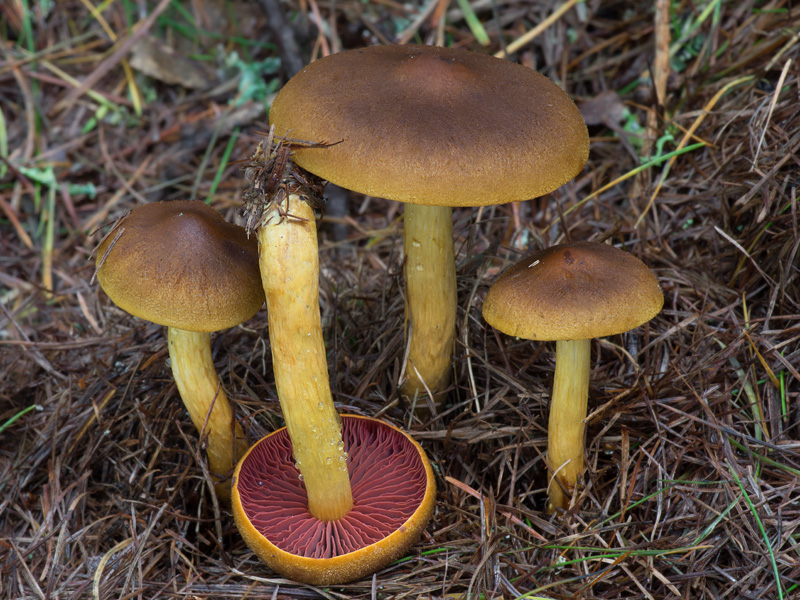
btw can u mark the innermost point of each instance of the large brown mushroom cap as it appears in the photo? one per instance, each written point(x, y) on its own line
point(573, 291)
point(393, 499)
point(182, 265)
point(432, 125)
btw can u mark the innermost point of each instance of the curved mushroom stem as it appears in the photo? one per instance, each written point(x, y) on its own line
point(430, 273)
point(208, 406)
point(567, 413)
point(288, 257)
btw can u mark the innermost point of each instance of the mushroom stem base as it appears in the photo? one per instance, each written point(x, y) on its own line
point(566, 426)
point(430, 272)
point(208, 406)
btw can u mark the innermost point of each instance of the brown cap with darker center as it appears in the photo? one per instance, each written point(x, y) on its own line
point(182, 265)
point(573, 291)
point(432, 125)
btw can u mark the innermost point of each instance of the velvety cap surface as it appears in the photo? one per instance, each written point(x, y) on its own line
point(432, 125)
point(393, 495)
point(573, 291)
point(182, 265)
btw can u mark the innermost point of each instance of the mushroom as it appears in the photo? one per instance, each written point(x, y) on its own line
point(311, 455)
point(393, 499)
point(180, 264)
point(571, 293)
point(434, 128)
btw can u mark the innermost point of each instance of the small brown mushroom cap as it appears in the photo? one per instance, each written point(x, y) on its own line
point(573, 291)
point(180, 264)
point(432, 125)
point(394, 492)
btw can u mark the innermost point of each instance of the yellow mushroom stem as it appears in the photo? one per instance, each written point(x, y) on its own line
point(208, 406)
point(289, 262)
point(567, 414)
point(430, 272)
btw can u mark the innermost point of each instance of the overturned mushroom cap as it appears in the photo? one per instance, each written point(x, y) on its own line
point(573, 291)
point(393, 499)
point(180, 264)
point(432, 125)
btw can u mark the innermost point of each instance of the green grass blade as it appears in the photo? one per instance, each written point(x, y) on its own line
point(707, 531)
point(764, 459)
point(222, 164)
point(473, 22)
point(21, 413)
point(763, 531)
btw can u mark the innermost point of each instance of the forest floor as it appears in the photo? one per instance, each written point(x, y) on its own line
point(693, 432)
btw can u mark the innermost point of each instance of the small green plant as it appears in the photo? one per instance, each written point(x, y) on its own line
point(258, 79)
point(46, 176)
